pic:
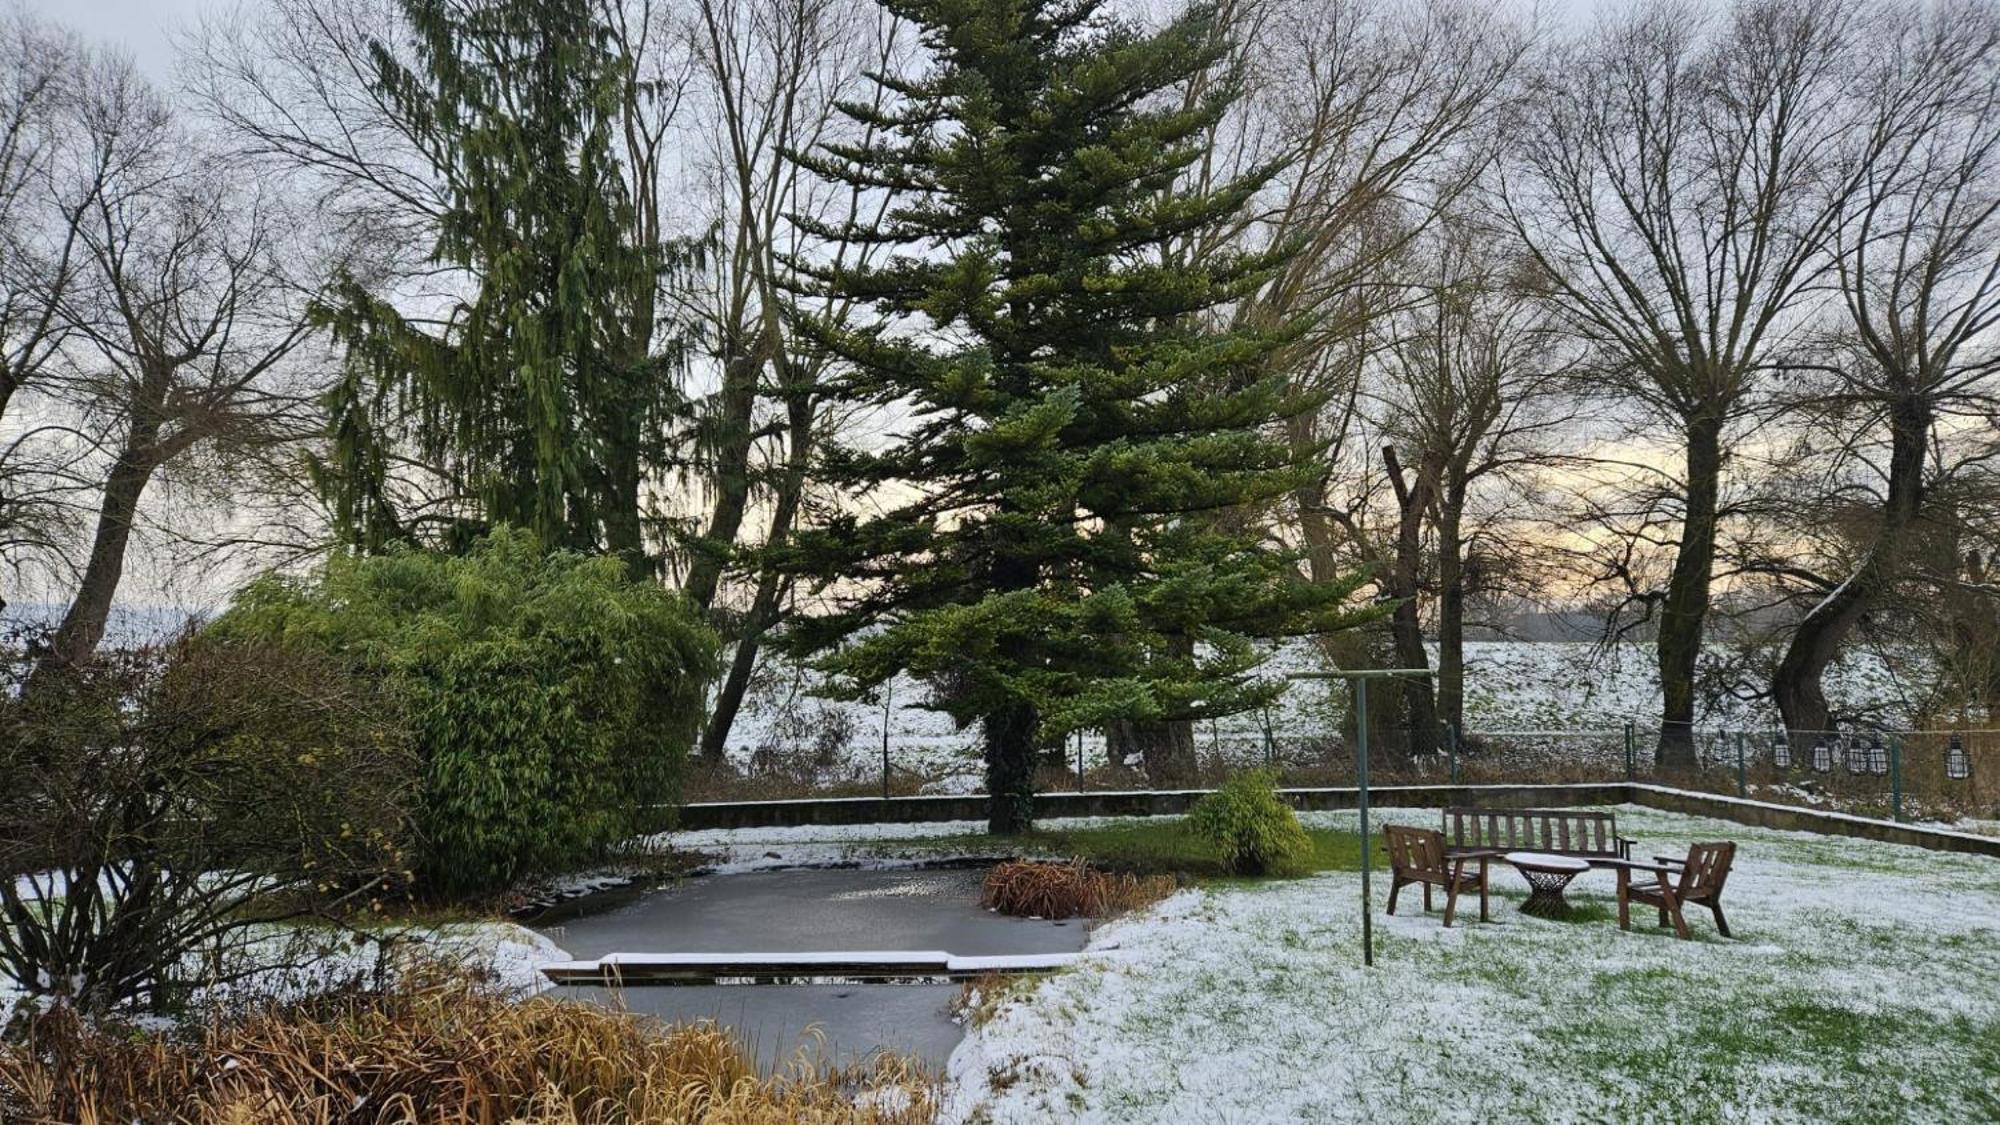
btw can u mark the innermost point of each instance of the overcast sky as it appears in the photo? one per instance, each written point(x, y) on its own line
point(138, 27)
point(142, 28)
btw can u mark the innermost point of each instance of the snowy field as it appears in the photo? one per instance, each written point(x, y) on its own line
point(1510, 686)
point(1863, 985)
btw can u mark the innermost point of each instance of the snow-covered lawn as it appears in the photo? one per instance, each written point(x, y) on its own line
point(1863, 985)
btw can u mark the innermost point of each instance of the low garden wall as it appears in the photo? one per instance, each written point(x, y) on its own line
point(1135, 803)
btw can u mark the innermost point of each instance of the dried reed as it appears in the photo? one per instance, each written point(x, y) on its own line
point(441, 1050)
point(1031, 889)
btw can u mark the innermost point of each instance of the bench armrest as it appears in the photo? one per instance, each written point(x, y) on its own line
point(1670, 860)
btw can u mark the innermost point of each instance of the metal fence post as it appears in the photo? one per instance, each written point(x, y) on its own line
point(1631, 750)
point(888, 705)
point(1451, 748)
point(1742, 780)
point(1896, 774)
point(1361, 805)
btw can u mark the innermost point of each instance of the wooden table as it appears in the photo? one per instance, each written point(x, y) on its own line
point(1547, 876)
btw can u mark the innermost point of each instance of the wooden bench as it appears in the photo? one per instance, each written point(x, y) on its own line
point(1416, 855)
point(1694, 881)
point(1570, 832)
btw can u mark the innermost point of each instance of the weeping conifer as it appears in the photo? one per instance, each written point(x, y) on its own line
point(538, 395)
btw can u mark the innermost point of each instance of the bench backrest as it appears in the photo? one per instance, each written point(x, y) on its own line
point(1556, 831)
point(1707, 869)
point(1415, 851)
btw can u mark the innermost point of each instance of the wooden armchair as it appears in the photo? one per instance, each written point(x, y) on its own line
point(1677, 883)
point(1416, 855)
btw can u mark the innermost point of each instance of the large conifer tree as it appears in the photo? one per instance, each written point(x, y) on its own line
point(537, 394)
point(1049, 533)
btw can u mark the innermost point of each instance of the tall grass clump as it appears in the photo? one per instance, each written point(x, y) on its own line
point(440, 1049)
point(1031, 889)
point(1254, 831)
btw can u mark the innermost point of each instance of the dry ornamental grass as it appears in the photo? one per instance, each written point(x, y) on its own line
point(443, 1051)
point(1030, 889)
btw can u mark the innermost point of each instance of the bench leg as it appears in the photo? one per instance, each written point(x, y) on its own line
point(1673, 909)
point(1721, 923)
point(1427, 898)
point(1451, 899)
point(1624, 899)
point(1395, 888)
point(1483, 916)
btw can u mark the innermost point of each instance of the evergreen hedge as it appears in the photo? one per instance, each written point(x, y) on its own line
point(552, 698)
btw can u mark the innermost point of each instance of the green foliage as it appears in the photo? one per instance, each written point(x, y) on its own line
point(1093, 457)
point(541, 401)
point(1255, 831)
point(553, 698)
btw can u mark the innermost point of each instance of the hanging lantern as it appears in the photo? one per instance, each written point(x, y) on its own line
point(1854, 756)
point(1878, 756)
point(1781, 752)
point(1957, 763)
point(1822, 756)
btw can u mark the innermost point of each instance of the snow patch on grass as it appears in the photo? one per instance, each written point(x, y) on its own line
point(1860, 988)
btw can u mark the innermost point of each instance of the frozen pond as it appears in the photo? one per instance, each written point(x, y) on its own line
point(808, 911)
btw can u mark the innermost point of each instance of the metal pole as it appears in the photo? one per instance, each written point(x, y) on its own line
point(1451, 747)
point(1742, 780)
point(1896, 774)
point(1631, 750)
point(1361, 800)
point(888, 696)
point(1079, 761)
point(1360, 679)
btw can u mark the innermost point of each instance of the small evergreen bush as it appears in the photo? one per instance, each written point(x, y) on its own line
point(552, 698)
point(1253, 829)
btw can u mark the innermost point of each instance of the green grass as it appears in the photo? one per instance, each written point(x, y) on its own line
point(1150, 847)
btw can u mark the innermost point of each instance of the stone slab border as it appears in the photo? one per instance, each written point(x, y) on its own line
point(919, 966)
point(833, 811)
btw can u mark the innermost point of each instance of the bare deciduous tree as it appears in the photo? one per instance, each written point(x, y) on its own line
point(1905, 402)
point(1676, 178)
point(179, 320)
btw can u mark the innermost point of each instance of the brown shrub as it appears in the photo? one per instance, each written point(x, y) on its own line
point(1032, 889)
point(443, 1051)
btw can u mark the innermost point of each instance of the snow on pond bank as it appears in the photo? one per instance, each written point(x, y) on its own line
point(1862, 986)
point(308, 961)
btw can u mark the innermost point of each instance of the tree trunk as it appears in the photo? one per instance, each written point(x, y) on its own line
point(1798, 685)
point(732, 474)
point(764, 606)
point(1165, 750)
point(1010, 769)
point(1684, 614)
point(1451, 607)
point(729, 697)
point(624, 535)
point(1404, 580)
point(82, 628)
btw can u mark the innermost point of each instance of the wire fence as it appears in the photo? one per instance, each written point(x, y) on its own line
point(1917, 775)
